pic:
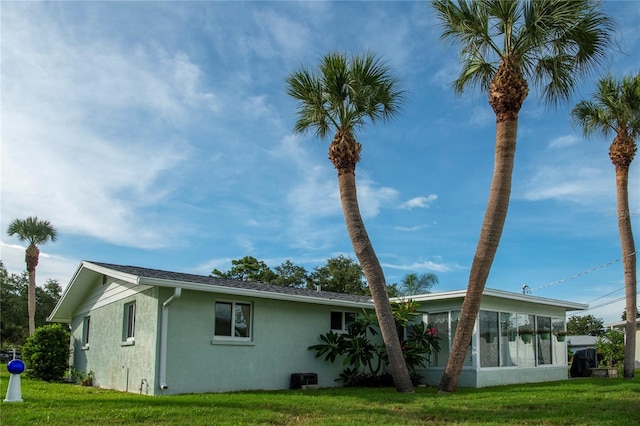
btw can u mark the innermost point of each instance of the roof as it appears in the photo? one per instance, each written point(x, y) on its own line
point(620, 324)
point(583, 340)
point(456, 294)
point(88, 272)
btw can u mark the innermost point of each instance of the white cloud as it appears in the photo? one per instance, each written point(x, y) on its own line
point(564, 141)
point(79, 146)
point(50, 266)
point(426, 265)
point(419, 202)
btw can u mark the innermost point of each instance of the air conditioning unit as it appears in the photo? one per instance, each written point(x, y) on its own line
point(304, 380)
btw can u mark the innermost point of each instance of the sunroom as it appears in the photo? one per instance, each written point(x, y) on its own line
point(518, 338)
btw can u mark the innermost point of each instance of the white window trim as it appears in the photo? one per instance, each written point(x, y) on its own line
point(233, 339)
point(129, 340)
point(343, 324)
point(86, 332)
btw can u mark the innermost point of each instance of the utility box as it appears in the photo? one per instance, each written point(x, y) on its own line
point(304, 380)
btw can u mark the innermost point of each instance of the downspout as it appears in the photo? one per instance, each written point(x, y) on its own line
point(177, 292)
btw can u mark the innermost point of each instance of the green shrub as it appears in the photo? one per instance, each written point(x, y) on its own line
point(46, 352)
point(368, 362)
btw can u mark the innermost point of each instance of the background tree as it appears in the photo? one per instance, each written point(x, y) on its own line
point(413, 284)
point(624, 314)
point(247, 269)
point(14, 321)
point(505, 46)
point(35, 232)
point(341, 96)
point(585, 325)
point(340, 274)
point(289, 274)
point(615, 110)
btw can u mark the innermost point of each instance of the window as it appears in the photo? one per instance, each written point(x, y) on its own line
point(86, 327)
point(489, 350)
point(441, 322)
point(341, 321)
point(233, 321)
point(543, 327)
point(129, 331)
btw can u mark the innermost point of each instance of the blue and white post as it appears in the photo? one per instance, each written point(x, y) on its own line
point(15, 367)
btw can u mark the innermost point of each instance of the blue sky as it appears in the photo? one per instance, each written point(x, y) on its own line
point(159, 134)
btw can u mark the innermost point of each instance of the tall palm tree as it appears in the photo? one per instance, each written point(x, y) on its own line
point(340, 97)
point(615, 110)
point(506, 45)
point(36, 232)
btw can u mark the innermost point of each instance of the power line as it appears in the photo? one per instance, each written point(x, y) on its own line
point(583, 273)
point(608, 294)
point(608, 303)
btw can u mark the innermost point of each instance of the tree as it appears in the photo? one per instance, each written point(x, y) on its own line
point(35, 232)
point(341, 97)
point(413, 284)
point(289, 274)
point(340, 274)
point(505, 46)
point(247, 269)
point(14, 321)
point(585, 325)
point(615, 110)
point(624, 314)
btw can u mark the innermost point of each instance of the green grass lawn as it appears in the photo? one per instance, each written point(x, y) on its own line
point(571, 402)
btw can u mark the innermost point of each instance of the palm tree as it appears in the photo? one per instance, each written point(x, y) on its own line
point(36, 232)
point(413, 283)
point(340, 98)
point(615, 110)
point(505, 46)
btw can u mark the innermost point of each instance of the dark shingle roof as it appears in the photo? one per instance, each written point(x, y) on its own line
point(224, 282)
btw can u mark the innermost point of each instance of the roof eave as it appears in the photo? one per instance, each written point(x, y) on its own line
point(212, 288)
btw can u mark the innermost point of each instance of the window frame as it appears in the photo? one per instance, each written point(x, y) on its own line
point(129, 323)
point(231, 337)
point(345, 322)
point(86, 331)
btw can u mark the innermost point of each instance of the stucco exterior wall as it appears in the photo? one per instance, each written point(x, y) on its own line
point(115, 363)
point(281, 333)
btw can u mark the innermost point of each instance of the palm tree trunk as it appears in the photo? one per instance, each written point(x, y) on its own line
point(629, 266)
point(31, 259)
point(375, 279)
point(488, 242)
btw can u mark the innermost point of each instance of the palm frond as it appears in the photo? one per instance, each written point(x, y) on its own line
point(345, 94)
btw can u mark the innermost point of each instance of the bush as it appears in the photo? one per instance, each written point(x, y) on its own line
point(368, 362)
point(46, 352)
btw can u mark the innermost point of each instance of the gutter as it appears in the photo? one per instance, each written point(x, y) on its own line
point(177, 292)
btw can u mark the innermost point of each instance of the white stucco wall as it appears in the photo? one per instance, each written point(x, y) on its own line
point(116, 364)
point(281, 334)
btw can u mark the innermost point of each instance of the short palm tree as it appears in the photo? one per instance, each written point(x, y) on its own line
point(506, 45)
point(340, 98)
point(35, 232)
point(615, 110)
point(413, 283)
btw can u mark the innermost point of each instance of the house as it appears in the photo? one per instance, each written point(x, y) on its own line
point(580, 342)
point(157, 332)
point(621, 326)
